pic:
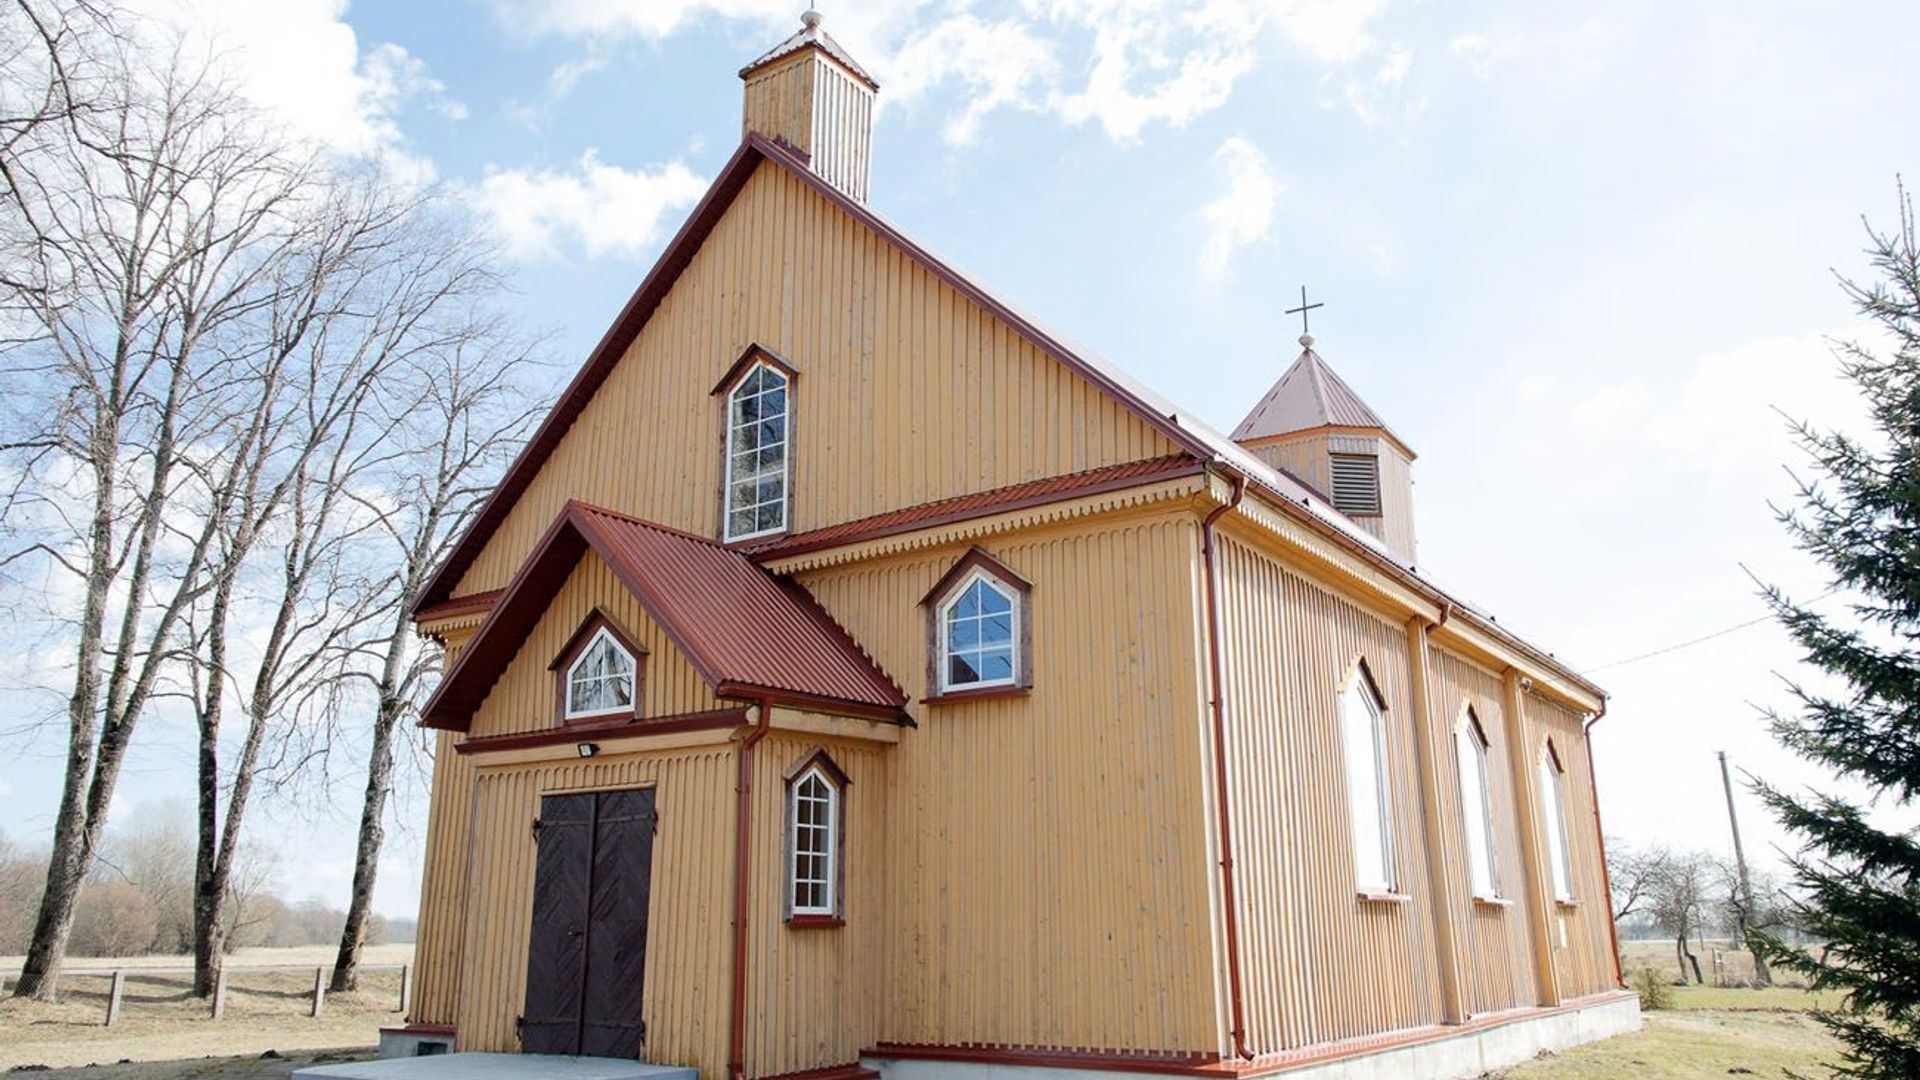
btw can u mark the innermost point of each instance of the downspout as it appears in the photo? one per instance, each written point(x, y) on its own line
point(742, 835)
point(1600, 836)
point(1220, 770)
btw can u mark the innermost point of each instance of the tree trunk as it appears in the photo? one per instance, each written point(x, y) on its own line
point(209, 889)
point(366, 863)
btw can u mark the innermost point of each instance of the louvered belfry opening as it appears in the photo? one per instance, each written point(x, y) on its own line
point(1355, 484)
point(807, 93)
point(1312, 425)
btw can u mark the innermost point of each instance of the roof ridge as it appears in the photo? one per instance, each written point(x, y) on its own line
point(606, 511)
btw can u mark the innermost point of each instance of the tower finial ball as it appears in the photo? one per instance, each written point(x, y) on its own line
point(1306, 341)
point(810, 18)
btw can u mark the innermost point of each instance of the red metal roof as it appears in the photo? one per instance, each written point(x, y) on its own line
point(1310, 395)
point(980, 504)
point(745, 631)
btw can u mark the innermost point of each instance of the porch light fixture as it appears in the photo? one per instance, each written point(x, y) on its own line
point(587, 749)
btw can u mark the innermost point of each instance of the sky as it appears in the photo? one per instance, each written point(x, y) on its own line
point(1580, 256)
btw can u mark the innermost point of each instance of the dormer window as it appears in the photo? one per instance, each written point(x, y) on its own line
point(758, 437)
point(600, 673)
point(979, 611)
point(1356, 484)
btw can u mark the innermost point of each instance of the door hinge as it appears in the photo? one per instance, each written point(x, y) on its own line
point(536, 828)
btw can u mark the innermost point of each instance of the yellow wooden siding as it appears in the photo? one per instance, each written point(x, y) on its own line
point(1496, 958)
point(1309, 457)
point(813, 995)
point(689, 944)
point(779, 101)
point(441, 931)
point(1318, 963)
point(1046, 854)
point(908, 392)
point(524, 697)
point(1581, 935)
point(842, 129)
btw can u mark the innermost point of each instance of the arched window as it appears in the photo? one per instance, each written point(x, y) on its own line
point(979, 628)
point(599, 672)
point(1470, 748)
point(1553, 818)
point(815, 792)
point(1364, 737)
point(758, 436)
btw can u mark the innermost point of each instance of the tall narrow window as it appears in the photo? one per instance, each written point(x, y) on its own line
point(1363, 731)
point(600, 680)
point(1476, 805)
point(813, 843)
point(1356, 484)
point(1554, 819)
point(757, 441)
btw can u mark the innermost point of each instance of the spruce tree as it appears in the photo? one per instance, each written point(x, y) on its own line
point(1858, 512)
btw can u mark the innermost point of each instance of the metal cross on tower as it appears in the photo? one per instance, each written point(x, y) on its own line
point(1303, 309)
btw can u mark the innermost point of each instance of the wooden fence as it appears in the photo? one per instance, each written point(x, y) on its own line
point(218, 1003)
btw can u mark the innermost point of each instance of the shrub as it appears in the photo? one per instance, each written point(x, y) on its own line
point(1656, 993)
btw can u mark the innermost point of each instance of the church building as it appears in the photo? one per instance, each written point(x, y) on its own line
point(854, 677)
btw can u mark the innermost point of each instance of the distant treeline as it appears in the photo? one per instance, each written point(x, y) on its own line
point(139, 900)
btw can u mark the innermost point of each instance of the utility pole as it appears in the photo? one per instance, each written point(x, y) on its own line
point(1761, 975)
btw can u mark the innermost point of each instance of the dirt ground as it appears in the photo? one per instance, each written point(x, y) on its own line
point(162, 1023)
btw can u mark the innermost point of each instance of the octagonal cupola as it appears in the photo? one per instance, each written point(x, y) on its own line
point(1312, 425)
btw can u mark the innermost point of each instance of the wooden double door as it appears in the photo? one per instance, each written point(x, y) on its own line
point(587, 955)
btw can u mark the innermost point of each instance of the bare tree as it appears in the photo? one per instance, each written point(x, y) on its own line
point(1677, 902)
point(1633, 872)
point(159, 225)
point(461, 432)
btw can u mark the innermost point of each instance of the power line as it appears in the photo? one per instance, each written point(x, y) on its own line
point(1701, 640)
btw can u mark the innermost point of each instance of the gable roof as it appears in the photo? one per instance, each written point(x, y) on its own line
point(1309, 395)
point(746, 632)
point(1187, 432)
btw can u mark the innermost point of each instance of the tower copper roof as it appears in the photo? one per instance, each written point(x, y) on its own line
point(811, 36)
point(1309, 396)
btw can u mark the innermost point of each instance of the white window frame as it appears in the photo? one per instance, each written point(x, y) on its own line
point(786, 459)
point(633, 678)
point(1472, 766)
point(829, 888)
point(945, 651)
point(1554, 809)
point(1369, 805)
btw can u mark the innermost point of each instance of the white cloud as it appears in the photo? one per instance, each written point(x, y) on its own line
point(1145, 62)
point(301, 62)
point(6, 789)
point(560, 82)
point(1243, 214)
point(605, 209)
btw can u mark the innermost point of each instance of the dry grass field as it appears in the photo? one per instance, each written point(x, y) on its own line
point(161, 1022)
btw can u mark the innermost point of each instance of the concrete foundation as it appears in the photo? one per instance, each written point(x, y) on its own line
point(1447, 1054)
point(496, 1067)
point(414, 1042)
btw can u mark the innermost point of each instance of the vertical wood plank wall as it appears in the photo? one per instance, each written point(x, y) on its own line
point(688, 942)
point(441, 931)
point(1581, 935)
point(1307, 457)
point(814, 995)
point(523, 698)
point(1497, 959)
point(779, 101)
point(1319, 964)
point(843, 124)
point(1046, 854)
point(907, 391)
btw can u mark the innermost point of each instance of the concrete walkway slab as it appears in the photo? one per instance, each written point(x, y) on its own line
point(497, 1067)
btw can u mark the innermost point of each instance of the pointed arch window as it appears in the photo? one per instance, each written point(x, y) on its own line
point(816, 795)
point(599, 673)
point(759, 419)
point(979, 632)
point(1470, 753)
point(1364, 739)
point(1553, 817)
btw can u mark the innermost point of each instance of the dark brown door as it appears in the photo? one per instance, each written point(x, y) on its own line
point(587, 953)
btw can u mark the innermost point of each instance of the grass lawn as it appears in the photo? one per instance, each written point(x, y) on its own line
point(1709, 1032)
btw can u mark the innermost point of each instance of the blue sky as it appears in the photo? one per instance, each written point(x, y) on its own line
point(1576, 254)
